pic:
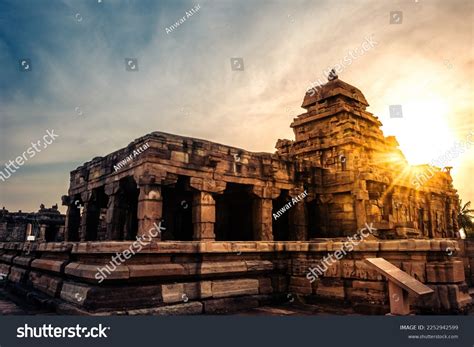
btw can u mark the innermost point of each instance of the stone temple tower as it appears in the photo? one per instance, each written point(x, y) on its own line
point(366, 178)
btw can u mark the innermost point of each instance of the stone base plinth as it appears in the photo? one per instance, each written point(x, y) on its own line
point(220, 277)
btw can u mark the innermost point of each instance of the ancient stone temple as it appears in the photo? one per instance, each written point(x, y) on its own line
point(227, 229)
point(45, 225)
point(351, 172)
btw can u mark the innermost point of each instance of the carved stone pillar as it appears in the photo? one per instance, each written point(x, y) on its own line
point(262, 212)
point(431, 218)
point(72, 219)
point(455, 222)
point(29, 230)
point(150, 206)
point(42, 233)
point(262, 219)
point(204, 207)
point(360, 211)
point(451, 220)
point(204, 216)
point(85, 197)
point(298, 219)
point(113, 211)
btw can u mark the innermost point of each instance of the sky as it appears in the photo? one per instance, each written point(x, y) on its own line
point(77, 82)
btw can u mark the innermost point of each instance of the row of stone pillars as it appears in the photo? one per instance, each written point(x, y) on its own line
point(43, 232)
point(150, 211)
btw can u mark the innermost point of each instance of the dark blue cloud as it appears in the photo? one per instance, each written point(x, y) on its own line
point(45, 31)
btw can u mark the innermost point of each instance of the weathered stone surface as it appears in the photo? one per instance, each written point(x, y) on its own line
point(23, 261)
point(17, 275)
point(93, 272)
point(459, 296)
point(219, 306)
point(279, 283)
point(182, 292)
point(364, 272)
point(95, 298)
point(226, 288)
point(366, 295)
point(373, 285)
point(348, 268)
point(262, 265)
point(446, 298)
point(190, 308)
point(48, 264)
point(45, 283)
point(330, 288)
point(75, 293)
point(334, 270)
point(445, 272)
point(172, 293)
point(157, 270)
point(415, 269)
point(7, 258)
point(222, 267)
point(4, 269)
point(265, 286)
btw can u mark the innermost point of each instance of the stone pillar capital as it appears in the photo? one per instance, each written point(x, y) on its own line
point(169, 178)
point(207, 185)
point(65, 200)
point(86, 196)
point(111, 188)
point(147, 179)
point(361, 194)
point(150, 192)
point(311, 196)
point(294, 192)
point(325, 198)
point(266, 192)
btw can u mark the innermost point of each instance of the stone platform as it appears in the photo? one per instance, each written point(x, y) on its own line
point(220, 277)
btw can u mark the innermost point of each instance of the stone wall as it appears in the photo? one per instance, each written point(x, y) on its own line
point(352, 280)
point(219, 277)
point(12, 232)
point(467, 252)
point(47, 224)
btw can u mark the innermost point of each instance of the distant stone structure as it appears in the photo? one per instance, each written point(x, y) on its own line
point(339, 174)
point(45, 225)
